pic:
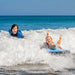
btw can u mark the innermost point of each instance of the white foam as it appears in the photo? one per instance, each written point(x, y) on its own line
point(17, 51)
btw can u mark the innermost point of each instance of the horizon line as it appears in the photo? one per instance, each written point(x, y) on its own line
point(37, 15)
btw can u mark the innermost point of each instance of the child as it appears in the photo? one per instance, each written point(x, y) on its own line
point(15, 32)
point(50, 44)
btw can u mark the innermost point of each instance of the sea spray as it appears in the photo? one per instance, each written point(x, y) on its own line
point(15, 51)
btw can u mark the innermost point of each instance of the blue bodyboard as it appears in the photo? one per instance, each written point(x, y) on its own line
point(56, 50)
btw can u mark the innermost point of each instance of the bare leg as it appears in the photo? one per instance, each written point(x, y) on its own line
point(59, 41)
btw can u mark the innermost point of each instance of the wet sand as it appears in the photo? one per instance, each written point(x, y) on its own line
point(27, 69)
point(33, 69)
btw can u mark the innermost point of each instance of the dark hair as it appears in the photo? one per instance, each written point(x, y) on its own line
point(14, 26)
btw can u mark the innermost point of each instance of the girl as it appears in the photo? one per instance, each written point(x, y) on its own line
point(50, 44)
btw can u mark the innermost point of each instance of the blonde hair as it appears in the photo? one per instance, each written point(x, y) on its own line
point(48, 37)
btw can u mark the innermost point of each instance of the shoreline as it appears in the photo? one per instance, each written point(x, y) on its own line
point(33, 69)
point(28, 69)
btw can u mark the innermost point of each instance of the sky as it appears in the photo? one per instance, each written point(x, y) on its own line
point(37, 7)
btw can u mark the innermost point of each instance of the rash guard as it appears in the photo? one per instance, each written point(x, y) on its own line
point(18, 34)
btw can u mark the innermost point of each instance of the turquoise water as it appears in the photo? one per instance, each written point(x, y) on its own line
point(37, 22)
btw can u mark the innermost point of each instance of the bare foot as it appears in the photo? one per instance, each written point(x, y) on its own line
point(61, 36)
point(60, 47)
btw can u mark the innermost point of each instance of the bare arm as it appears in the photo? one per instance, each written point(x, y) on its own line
point(47, 33)
point(43, 46)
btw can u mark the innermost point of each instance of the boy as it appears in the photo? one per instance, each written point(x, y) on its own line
point(15, 32)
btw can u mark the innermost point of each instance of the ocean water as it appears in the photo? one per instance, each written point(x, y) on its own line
point(37, 22)
point(14, 51)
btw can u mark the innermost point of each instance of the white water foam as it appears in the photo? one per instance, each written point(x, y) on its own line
point(17, 51)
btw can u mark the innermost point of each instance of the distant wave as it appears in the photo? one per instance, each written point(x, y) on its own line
point(38, 18)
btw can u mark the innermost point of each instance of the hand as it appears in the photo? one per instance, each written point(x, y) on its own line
point(53, 44)
point(48, 32)
point(24, 38)
point(40, 47)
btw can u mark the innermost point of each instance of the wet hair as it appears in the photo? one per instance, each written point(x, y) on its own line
point(14, 26)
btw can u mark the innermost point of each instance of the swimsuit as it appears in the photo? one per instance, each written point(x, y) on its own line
point(51, 46)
